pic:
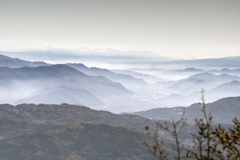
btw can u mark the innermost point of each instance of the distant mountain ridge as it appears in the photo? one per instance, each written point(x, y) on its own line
point(230, 89)
point(225, 61)
point(16, 63)
point(108, 56)
point(218, 79)
point(124, 79)
point(148, 78)
point(187, 91)
point(209, 78)
point(66, 94)
point(183, 71)
point(197, 86)
point(36, 78)
point(182, 84)
point(226, 71)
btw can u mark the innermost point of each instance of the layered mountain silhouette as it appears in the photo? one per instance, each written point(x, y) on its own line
point(197, 86)
point(182, 84)
point(146, 77)
point(226, 71)
point(16, 63)
point(217, 79)
point(230, 89)
point(109, 56)
point(66, 94)
point(181, 73)
point(30, 79)
point(124, 79)
point(202, 80)
point(225, 61)
point(42, 55)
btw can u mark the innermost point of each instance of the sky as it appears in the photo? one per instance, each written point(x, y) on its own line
point(188, 29)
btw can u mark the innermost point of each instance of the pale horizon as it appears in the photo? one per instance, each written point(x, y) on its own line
point(106, 51)
point(178, 29)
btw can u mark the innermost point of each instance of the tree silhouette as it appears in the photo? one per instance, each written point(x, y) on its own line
point(174, 128)
point(208, 144)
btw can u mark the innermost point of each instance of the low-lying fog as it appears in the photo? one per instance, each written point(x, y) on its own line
point(120, 86)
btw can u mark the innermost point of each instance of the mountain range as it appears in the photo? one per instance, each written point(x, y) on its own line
point(125, 79)
point(180, 73)
point(28, 80)
point(146, 77)
point(107, 56)
point(187, 91)
point(102, 88)
point(66, 94)
point(49, 119)
point(16, 63)
point(226, 71)
point(225, 61)
point(208, 81)
point(230, 89)
point(30, 131)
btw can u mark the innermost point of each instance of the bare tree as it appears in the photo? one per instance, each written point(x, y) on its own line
point(208, 144)
point(157, 148)
point(174, 128)
point(205, 143)
point(229, 140)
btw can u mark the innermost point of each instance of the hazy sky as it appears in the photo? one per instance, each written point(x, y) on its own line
point(179, 28)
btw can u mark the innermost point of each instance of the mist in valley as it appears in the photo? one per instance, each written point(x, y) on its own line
point(119, 89)
point(87, 80)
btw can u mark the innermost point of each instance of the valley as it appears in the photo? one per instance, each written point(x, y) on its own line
point(119, 80)
point(68, 111)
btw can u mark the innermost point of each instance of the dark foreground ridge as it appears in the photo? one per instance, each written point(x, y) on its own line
point(65, 113)
point(70, 132)
point(77, 142)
